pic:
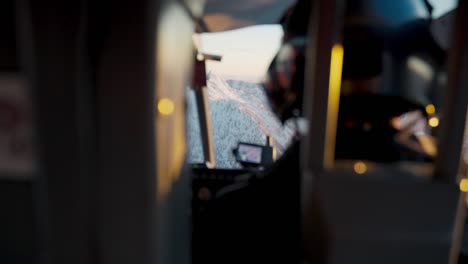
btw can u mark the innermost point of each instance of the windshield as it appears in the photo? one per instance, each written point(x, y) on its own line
point(239, 110)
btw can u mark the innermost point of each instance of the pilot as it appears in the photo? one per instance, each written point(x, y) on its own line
point(386, 43)
point(261, 222)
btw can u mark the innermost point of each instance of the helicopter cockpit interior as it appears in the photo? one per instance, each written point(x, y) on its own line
point(387, 69)
point(219, 131)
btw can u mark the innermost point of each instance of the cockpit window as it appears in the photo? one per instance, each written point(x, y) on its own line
point(239, 110)
point(388, 96)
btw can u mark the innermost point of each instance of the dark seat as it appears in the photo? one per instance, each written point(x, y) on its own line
point(255, 224)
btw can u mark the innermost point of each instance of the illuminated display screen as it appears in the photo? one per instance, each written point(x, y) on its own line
point(249, 154)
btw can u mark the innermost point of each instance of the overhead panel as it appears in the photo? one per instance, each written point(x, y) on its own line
point(222, 15)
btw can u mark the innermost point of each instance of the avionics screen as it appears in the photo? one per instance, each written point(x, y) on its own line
point(249, 154)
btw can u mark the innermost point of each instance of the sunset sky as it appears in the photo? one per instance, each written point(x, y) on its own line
point(246, 52)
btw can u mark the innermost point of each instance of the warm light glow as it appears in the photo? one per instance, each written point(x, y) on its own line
point(173, 59)
point(464, 185)
point(166, 106)
point(433, 122)
point(360, 167)
point(428, 145)
point(430, 109)
point(336, 67)
point(200, 57)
